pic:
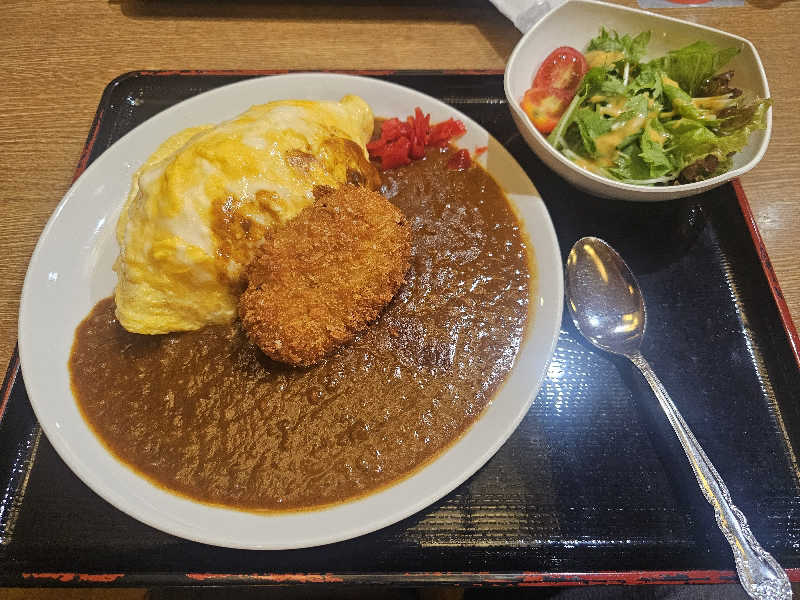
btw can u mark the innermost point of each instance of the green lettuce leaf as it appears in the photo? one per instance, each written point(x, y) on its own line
point(682, 104)
point(633, 48)
point(574, 141)
point(652, 149)
point(635, 106)
point(630, 166)
point(593, 82)
point(735, 139)
point(648, 79)
point(692, 65)
point(591, 125)
point(748, 113)
point(690, 140)
point(589, 85)
point(613, 86)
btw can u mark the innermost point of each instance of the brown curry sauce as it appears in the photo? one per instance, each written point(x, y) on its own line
point(205, 414)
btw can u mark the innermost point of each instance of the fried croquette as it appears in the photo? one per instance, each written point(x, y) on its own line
point(325, 275)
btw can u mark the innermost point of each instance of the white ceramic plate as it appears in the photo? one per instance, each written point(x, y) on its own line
point(578, 21)
point(71, 270)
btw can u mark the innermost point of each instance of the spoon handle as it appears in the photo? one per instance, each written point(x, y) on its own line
point(760, 574)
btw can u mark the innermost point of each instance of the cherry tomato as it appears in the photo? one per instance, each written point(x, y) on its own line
point(544, 107)
point(562, 70)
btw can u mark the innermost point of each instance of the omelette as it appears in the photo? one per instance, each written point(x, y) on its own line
point(199, 207)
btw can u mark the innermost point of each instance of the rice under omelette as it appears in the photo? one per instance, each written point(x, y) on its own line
point(198, 208)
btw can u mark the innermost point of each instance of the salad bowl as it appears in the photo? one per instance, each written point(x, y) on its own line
point(574, 24)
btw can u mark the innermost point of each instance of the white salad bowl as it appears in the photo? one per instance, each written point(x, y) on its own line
point(578, 21)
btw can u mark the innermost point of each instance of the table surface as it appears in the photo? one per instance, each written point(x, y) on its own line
point(58, 55)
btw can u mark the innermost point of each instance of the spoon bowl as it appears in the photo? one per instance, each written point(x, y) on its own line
point(604, 298)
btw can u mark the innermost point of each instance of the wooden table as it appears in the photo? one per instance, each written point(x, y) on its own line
point(56, 57)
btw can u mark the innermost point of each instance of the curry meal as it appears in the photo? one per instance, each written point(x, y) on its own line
point(305, 312)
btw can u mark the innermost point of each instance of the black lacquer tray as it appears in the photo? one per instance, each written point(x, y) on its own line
point(592, 488)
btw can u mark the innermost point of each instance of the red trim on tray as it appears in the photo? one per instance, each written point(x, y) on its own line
point(766, 264)
point(475, 578)
point(62, 577)
point(524, 579)
point(269, 577)
point(68, 577)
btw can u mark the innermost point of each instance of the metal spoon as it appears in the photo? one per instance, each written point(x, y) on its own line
point(607, 307)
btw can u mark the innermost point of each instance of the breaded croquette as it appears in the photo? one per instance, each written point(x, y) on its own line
point(325, 275)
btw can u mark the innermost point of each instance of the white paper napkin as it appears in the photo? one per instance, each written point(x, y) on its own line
point(525, 13)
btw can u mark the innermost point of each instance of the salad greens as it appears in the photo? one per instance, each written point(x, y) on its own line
point(669, 120)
